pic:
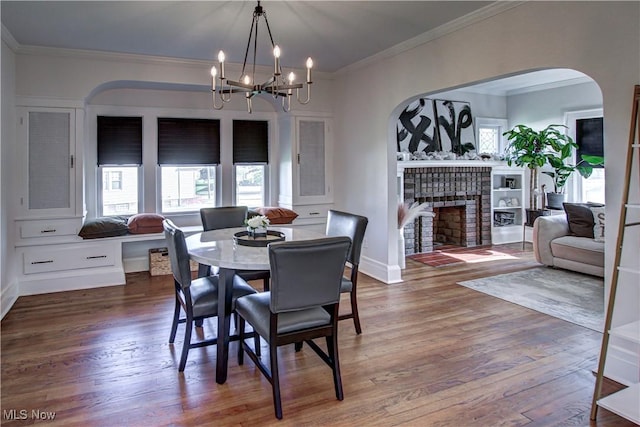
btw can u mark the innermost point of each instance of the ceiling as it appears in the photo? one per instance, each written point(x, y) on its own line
point(334, 33)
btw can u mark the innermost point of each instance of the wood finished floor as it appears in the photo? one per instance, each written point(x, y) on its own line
point(432, 353)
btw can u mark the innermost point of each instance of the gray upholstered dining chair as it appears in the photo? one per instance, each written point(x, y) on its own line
point(353, 226)
point(301, 306)
point(198, 298)
point(215, 218)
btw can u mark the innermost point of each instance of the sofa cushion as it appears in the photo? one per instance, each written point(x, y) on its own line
point(144, 223)
point(580, 218)
point(579, 249)
point(106, 226)
point(277, 215)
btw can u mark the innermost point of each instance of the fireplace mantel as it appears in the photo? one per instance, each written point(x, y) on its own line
point(402, 165)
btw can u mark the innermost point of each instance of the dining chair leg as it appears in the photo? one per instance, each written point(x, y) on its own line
point(241, 341)
point(298, 346)
point(176, 318)
point(186, 344)
point(354, 311)
point(275, 380)
point(332, 350)
point(265, 285)
point(256, 344)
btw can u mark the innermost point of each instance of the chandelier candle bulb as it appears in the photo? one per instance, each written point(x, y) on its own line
point(309, 65)
point(292, 77)
point(221, 59)
point(213, 78)
point(276, 54)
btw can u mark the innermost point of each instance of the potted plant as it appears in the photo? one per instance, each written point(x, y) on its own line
point(529, 148)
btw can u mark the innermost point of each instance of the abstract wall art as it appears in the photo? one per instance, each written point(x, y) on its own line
point(455, 126)
point(416, 128)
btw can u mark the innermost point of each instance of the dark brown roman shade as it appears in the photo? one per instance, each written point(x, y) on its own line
point(188, 141)
point(250, 141)
point(119, 141)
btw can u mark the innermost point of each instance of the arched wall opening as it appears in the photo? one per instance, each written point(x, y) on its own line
point(535, 98)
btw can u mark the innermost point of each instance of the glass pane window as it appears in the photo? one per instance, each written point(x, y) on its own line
point(119, 190)
point(250, 185)
point(187, 188)
point(593, 187)
point(488, 140)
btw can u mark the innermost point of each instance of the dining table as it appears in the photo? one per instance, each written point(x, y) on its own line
point(219, 248)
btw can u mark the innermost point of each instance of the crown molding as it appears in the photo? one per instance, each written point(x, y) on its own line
point(479, 15)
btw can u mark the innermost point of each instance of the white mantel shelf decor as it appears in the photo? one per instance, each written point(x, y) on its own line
point(402, 165)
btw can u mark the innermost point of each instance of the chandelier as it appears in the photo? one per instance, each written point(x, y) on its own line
point(277, 86)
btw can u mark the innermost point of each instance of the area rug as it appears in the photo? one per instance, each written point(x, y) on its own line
point(449, 255)
point(574, 297)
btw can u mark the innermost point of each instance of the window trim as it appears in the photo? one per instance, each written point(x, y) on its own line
point(492, 122)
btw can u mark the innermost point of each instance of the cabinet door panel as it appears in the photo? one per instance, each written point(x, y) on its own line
point(49, 160)
point(312, 158)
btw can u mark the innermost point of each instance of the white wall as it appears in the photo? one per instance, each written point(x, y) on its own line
point(531, 36)
point(545, 107)
point(8, 287)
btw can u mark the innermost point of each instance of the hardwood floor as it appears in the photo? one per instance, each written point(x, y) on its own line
point(432, 353)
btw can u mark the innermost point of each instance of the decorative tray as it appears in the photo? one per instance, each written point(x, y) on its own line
point(243, 238)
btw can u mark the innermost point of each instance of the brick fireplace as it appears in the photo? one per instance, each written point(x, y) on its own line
point(460, 198)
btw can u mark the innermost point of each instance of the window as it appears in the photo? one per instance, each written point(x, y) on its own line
point(250, 159)
point(489, 135)
point(586, 128)
point(119, 160)
point(188, 152)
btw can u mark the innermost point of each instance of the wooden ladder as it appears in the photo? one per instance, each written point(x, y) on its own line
point(625, 402)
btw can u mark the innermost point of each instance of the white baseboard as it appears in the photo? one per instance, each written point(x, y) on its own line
point(385, 273)
point(9, 297)
point(70, 281)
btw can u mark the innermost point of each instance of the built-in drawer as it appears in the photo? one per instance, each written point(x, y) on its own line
point(69, 257)
point(312, 211)
point(49, 228)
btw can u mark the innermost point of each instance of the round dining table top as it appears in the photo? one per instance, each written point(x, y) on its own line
point(218, 247)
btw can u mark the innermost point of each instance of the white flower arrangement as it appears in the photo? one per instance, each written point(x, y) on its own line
point(259, 221)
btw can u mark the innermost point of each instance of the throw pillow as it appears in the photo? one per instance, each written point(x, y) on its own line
point(277, 215)
point(145, 223)
point(598, 220)
point(580, 219)
point(104, 227)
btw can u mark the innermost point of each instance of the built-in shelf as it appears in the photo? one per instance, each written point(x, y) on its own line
point(624, 403)
point(629, 331)
point(507, 199)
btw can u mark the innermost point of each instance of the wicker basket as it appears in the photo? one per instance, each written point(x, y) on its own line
point(159, 263)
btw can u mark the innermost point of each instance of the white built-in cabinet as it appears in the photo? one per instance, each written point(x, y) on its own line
point(305, 181)
point(507, 204)
point(49, 211)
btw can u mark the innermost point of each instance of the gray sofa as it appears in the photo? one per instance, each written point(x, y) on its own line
point(554, 246)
